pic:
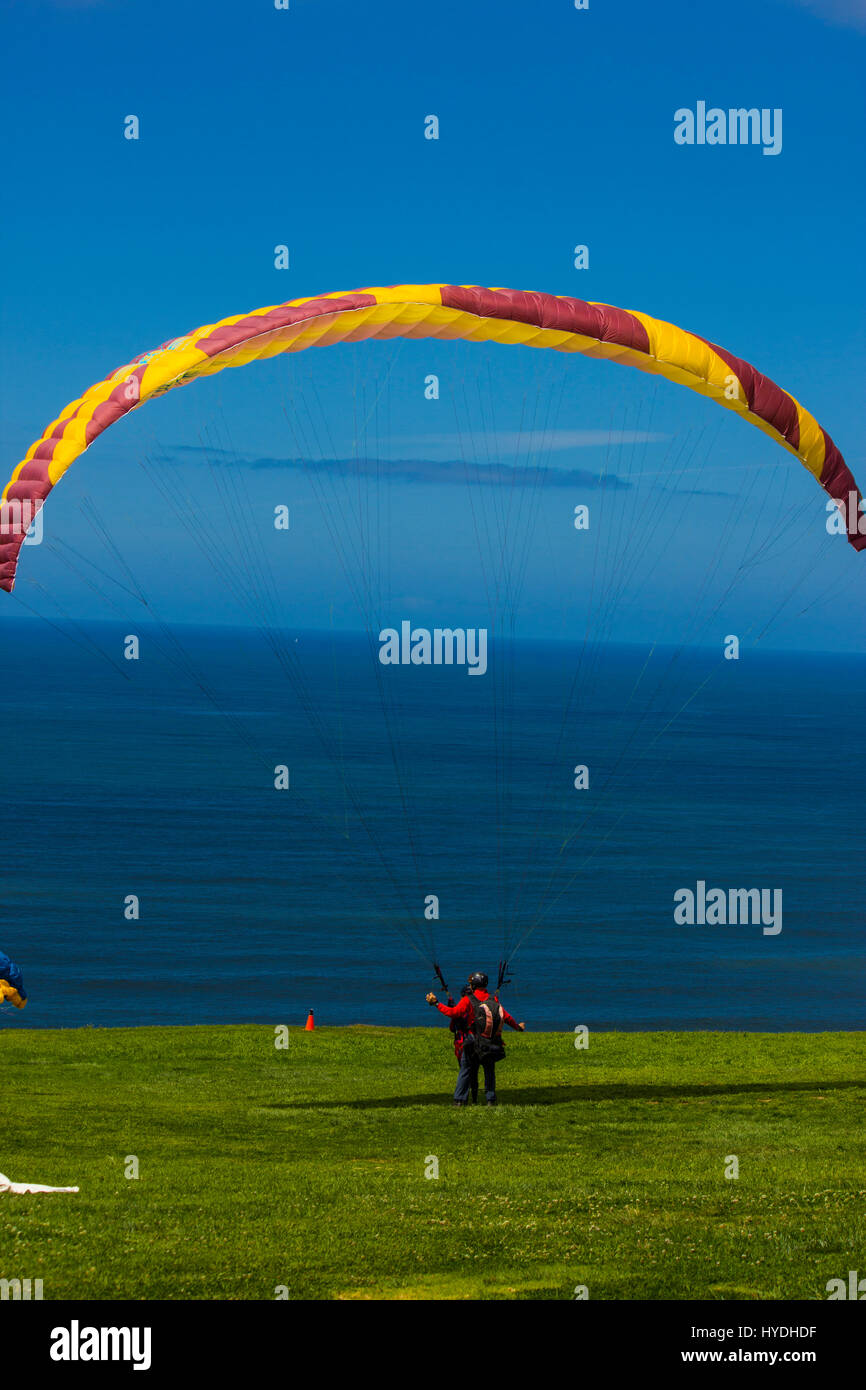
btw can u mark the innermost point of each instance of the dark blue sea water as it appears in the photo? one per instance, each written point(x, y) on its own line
point(155, 778)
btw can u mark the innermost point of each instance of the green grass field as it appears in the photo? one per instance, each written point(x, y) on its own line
point(305, 1167)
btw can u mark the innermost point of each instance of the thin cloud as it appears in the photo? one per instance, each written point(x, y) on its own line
point(850, 13)
point(429, 471)
point(532, 441)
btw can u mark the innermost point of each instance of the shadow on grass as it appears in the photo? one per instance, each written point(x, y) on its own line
point(587, 1094)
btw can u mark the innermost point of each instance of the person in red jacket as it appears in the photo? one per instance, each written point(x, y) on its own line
point(458, 1033)
point(457, 1026)
point(480, 1017)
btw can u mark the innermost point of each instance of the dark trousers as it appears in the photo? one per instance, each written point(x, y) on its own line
point(467, 1077)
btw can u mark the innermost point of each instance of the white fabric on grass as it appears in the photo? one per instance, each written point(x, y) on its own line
point(24, 1187)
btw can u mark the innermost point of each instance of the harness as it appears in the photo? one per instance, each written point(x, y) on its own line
point(486, 1030)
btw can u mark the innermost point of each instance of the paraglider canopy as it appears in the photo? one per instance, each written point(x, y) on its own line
point(471, 312)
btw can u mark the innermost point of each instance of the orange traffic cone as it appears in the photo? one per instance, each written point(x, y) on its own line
point(309, 1025)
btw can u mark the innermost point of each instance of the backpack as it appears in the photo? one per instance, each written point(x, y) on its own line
point(486, 1031)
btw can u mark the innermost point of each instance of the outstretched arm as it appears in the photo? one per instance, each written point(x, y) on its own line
point(506, 1018)
point(460, 1010)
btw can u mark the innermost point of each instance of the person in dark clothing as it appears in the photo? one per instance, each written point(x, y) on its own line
point(481, 1017)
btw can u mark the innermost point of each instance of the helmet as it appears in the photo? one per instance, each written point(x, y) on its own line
point(478, 980)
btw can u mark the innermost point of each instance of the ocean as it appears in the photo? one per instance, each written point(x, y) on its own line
point(154, 874)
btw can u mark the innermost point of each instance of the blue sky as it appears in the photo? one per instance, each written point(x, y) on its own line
point(305, 127)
